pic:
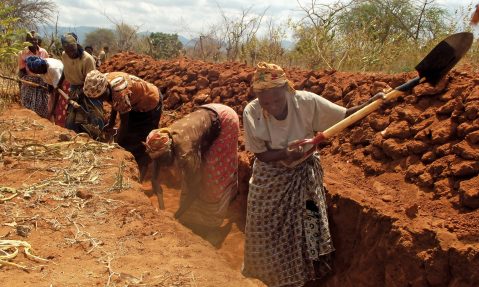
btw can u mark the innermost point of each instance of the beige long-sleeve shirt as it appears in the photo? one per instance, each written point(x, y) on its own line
point(75, 70)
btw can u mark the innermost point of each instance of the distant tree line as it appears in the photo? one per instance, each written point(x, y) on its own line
point(357, 35)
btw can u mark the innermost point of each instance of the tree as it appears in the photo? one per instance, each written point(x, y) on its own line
point(10, 42)
point(388, 35)
point(267, 47)
point(100, 38)
point(317, 34)
point(419, 21)
point(30, 13)
point(237, 31)
point(126, 36)
point(207, 47)
point(165, 46)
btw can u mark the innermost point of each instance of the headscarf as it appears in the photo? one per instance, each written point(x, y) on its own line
point(69, 39)
point(121, 94)
point(32, 35)
point(95, 84)
point(37, 65)
point(269, 76)
point(158, 142)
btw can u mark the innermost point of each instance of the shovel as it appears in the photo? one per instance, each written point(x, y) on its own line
point(431, 70)
point(24, 82)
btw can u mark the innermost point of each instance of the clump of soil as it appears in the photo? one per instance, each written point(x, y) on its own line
point(402, 182)
point(430, 136)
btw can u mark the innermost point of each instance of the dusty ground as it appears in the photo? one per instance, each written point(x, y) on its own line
point(93, 230)
point(402, 183)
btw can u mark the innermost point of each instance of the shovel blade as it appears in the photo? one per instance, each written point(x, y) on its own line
point(444, 56)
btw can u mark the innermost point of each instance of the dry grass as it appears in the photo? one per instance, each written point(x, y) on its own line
point(9, 90)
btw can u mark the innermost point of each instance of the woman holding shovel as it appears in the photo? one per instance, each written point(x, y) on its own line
point(288, 242)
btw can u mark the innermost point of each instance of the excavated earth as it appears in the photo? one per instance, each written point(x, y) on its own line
point(402, 188)
point(403, 182)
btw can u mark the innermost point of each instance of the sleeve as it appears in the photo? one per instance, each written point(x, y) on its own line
point(56, 74)
point(21, 62)
point(89, 65)
point(326, 113)
point(252, 143)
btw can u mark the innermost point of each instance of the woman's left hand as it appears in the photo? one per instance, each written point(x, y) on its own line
point(377, 96)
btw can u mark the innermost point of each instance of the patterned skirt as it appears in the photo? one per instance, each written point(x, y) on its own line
point(35, 98)
point(60, 112)
point(288, 242)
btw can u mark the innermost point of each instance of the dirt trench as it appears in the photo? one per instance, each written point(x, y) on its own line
point(401, 189)
point(403, 182)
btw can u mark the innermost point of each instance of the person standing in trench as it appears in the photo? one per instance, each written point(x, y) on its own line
point(288, 242)
point(203, 146)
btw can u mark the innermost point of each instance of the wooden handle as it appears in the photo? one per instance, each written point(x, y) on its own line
point(337, 128)
point(66, 97)
point(372, 107)
point(23, 81)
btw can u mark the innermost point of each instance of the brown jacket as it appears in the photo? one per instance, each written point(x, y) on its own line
point(130, 93)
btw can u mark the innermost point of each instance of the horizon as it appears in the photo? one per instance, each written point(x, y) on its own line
point(194, 16)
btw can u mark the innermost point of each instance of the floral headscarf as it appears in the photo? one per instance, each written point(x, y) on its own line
point(158, 142)
point(121, 95)
point(268, 76)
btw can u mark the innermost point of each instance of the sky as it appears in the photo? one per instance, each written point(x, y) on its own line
point(185, 17)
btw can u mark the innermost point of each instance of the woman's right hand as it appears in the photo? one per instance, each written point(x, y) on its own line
point(294, 154)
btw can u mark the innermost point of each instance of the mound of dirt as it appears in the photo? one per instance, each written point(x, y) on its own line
point(405, 213)
point(431, 135)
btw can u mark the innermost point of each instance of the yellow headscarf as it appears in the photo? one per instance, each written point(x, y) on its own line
point(268, 76)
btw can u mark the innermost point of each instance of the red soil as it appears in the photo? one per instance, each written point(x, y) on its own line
point(402, 189)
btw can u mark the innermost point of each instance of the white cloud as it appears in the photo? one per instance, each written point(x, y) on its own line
point(171, 16)
point(186, 17)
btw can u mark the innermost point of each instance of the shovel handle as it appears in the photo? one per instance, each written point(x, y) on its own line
point(70, 101)
point(24, 82)
point(337, 128)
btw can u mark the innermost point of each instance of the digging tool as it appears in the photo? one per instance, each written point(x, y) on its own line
point(431, 70)
point(62, 93)
point(70, 101)
point(156, 185)
point(24, 82)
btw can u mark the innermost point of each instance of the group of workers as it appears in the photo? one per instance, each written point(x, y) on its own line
point(288, 242)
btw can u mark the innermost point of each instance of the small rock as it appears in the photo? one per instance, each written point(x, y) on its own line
point(399, 130)
point(83, 194)
point(469, 193)
point(473, 137)
point(64, 137)
point(412, 211)
point(428, 157)
point(394, 148)
point(416, 147)
point(23, 230)
point(386, 198)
